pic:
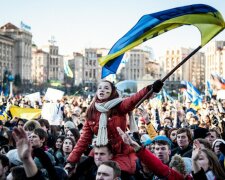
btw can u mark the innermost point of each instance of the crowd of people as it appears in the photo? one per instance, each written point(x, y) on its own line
point(108, 137)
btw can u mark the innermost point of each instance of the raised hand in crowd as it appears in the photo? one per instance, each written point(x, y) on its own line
point(24, 151)
point(127, 139)
point(195, 155)
point(144, 114)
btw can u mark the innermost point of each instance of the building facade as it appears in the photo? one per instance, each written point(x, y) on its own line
point(22, 43)
point(193, 70)
point(215, 59)
point(39, 68)
point(135, 66)
point(55, 69)
point(7, 55)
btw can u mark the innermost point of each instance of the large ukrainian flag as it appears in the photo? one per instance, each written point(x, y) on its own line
point(208, 20)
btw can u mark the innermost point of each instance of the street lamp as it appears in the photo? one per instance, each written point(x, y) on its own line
point(10, 79)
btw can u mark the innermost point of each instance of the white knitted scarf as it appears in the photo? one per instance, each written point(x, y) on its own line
point(133, 124)
point(102, 137)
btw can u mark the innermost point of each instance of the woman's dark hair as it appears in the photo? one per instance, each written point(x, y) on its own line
point(91, 110)
point(170, 131)
point(62, 137)
point(214, 164)
point(44, 122)
point(75, 133)
point(22, 120)
point(18, 173)
point(11, 139)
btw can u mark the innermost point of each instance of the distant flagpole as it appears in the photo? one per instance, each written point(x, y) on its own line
point(170, 73)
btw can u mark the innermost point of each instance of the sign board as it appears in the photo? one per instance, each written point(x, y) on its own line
point(33, 98)
point(220, 94)
point(53, 95)
point(52, 112)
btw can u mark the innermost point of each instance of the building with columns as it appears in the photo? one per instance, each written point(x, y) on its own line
point(85, 67)
point(18, 49)
point(138, 64)
point(39, 67)
point(215, 59)
point(193, 70)
point(7, 55)
point(55, 68)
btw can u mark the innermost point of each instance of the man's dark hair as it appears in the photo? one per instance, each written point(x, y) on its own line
point(18, 173)
point(108, 146)
point(205, 143)
point(162, 142)
point(114, 166)
point(41, 133)
point(44, 122)
point(4, 160)
point(188, 132)
point(217, 133)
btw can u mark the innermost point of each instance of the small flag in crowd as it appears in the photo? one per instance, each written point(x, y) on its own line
point(67, 69)
point(193, 95)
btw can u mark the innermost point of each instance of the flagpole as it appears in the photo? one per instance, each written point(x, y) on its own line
point(169, 74)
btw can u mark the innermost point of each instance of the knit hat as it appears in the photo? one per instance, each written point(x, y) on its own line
point(162, 138)
point(3, 140)
point(188, 164)
point(145, 140)
point(69, 124)
point(217, 140)
point(14, 157)
point(178, 163)
point(200, 133)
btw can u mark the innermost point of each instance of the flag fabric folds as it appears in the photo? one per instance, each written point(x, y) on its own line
point(208, 20)
point(25, 113)
point(193, 95)
point(218, 81)
point(67, 69)
point(209, 89)
point(167, 96)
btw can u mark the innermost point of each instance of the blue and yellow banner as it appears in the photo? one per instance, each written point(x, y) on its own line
point(67, 69)
point(208, 20)
point(25, 113)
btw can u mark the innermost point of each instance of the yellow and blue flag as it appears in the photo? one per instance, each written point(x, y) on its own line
point(25, 113)
point(67, 69)
point(193, 95)
point(209, 89)
point(208, 20)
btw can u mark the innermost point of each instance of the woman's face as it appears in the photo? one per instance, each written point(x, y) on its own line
point(203, 161)
point(20, 124)
point(70, 134)
point(206, 119)
point(67, 146)
point(104, 90)
point(58, 143)
point(217, 148)
point(173, 135)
